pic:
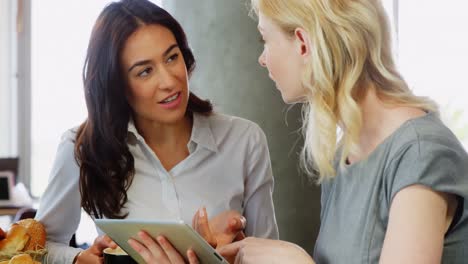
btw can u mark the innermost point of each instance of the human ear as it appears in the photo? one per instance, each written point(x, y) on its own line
point(303, 42)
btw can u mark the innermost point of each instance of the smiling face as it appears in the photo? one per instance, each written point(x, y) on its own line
point(156, 74)
point(282, 57)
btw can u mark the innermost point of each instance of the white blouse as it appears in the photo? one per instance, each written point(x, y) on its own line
point(228, 168)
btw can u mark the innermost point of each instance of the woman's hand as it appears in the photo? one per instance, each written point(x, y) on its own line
point(222, 229)
point(257, 250)
point(94, 253)
point(159, 251)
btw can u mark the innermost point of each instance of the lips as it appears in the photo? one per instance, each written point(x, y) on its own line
point(170, 98)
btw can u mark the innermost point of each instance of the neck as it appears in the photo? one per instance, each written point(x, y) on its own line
point(165, 135)
point(380, 120)
point(373, 127)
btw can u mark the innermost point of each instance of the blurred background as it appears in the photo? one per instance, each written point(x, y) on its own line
point(42, 50)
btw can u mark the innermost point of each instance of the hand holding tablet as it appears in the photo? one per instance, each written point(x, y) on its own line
point(159, 250)
point(181, 236)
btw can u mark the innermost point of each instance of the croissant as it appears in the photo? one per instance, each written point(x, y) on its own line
point(15, 240)
point(22, 259)
point(36, 232)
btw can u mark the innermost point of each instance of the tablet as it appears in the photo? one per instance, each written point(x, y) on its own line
point(181, 236)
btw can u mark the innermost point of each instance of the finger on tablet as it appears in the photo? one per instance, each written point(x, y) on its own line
point(192, 257)
point(173, 255)
point(204, 228)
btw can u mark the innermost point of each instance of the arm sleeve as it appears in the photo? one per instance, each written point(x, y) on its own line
point(437, 165)
point(60, 206)
point(258, 201)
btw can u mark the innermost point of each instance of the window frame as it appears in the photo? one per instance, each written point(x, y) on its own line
point(23, 98)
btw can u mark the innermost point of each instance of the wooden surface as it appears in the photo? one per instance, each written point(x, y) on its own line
point(9, 210)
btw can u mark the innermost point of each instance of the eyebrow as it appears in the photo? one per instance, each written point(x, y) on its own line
point(143, 62)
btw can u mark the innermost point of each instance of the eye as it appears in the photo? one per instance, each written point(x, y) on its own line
point(173, 58)
point(145, 72)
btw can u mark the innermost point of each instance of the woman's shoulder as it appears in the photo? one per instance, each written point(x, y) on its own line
point(69, 135)
point(66, 143)
point(235, 130)
point(65, 164)
point(224, 119)
point(233, 124)
point(426, 135)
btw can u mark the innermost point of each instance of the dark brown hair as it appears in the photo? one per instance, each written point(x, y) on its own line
point(106, 164)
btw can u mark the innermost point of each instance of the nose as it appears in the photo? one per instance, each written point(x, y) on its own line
point(167, 79)
point(261, 59)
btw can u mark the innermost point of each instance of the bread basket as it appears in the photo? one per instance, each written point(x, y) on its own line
point(25, 237)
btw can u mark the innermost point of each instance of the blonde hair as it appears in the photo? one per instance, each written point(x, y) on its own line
point(351, 51)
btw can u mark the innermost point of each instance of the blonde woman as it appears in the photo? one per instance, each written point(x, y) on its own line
point(394, 179)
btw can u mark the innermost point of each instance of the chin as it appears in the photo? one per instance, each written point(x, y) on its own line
point(294, 99)
point(172, 119)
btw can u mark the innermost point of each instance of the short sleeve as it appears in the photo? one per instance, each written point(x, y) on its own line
point(436, 164)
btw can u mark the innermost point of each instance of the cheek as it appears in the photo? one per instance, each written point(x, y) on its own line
point(139, 92)
point(272, 62)
point(134, 94)
point(180, 75)
point(277, 59)
point(278, 67)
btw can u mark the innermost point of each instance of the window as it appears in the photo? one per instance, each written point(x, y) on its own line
point(432, 50)
point(432, 56)
point(60, 35)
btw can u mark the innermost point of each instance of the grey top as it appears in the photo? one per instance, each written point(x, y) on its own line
point(228, 168)
point(356, 203)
